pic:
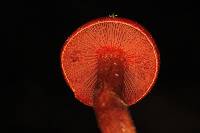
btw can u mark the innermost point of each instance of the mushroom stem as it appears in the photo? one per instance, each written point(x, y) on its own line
point(112, 112)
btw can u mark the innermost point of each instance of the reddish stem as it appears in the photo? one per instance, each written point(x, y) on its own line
point(112, 112)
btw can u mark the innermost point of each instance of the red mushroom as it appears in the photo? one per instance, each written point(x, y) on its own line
point(110, 63)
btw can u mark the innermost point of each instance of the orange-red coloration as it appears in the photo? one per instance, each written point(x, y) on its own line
point(94, 49)
point(111, 112)
point(111, 67)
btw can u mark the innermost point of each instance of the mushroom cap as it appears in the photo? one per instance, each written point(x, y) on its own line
point(80, 52)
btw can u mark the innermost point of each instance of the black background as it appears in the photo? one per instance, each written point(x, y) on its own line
point(44, 102)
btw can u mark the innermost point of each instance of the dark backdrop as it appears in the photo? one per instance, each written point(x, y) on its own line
point(44, 102)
